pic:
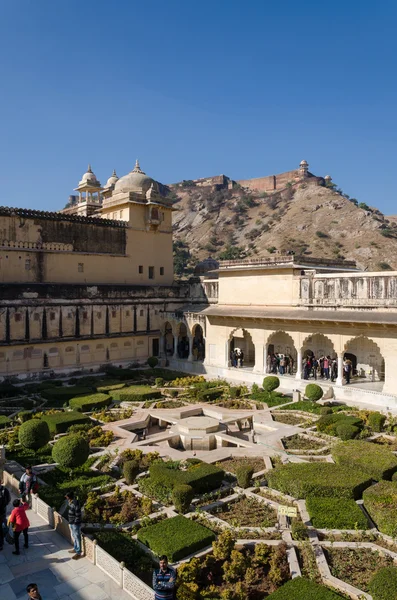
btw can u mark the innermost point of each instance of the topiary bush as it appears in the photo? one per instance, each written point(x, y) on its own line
point(71, 451)
point(235, 391)
point(376, 421)
point(328, 423)
point(318, 479)
point(64, 394)
point(90, 402)
point(372, 459)
point(25, 415)
point(34, 434)
point(325, 410)
point(344, 431)
point(135, 393)
point(313, 392)
point(210, 394)
point(61, 421)
point(383, 585)
point(301, 588)
point(130, 471)
point(182, 496)
point(270, 383)
point(153, 361)
point(244, 475)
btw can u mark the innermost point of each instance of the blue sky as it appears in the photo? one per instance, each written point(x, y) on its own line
point(196, 88)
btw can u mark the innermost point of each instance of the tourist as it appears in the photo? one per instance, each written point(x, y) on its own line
point(74, 518)
point(334, 369)
point(269, 363)
point(241, 359)
point(164, 580)
point(20, 523)
point(291, 363)
point(5, 499)
point(307, 368)
point(315, 367)
point(33, 592)
point(281, 368)
point(326, 364)
point(347, 369)
point(27, 485)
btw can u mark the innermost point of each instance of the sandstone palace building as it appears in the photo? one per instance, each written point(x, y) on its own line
point(93, 284)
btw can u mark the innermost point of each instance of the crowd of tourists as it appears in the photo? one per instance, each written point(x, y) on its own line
point(323, 367)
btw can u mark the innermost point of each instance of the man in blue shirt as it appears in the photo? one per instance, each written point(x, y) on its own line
point(164, 580)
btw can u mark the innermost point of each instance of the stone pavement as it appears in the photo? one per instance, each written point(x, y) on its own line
point(48, 563)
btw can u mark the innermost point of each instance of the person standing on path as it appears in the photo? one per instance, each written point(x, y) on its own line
point(27, 485)
point(164, 580)
point(20, 523)
point(5, 499)
point(74, 518)
point(33, 592)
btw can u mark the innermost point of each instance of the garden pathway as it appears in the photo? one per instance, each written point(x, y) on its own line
point(48, 563)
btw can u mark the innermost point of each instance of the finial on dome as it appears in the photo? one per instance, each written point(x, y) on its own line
point(89, 170)
point(114, 174)
point(137, 168)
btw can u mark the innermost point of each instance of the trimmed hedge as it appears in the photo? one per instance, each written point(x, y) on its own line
point(335, 513)
point(373, 459)
point(135, 393)
point(61, 421)
point(176, 537)
point(329, 423)
point(313, 392)
point(7, 390)
point(34, 434)
point(210, 394)
point(71, 451)
point(91, 402)
point(344, 431)
point(65, 393)
point(182, 496)
point(271, 383)
point(130, 471)
point(383, 585)
point(301, 588)
point(244, 475)
point(203, 477)
point(318, 479)
point(380, 500)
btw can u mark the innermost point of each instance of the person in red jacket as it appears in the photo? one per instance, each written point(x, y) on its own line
point(20, 523)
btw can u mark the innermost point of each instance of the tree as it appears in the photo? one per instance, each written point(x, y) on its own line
point(224, 545)
point(153, 361)
point(34, 434)
point(271, 383)
point(130, 471)
point(71, 451)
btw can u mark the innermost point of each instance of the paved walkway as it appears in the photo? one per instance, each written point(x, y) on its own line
point(48, 563)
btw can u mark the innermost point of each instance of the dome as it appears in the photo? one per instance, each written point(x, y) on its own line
point(304, 163)
point(113, 179)
point(135, 181)
point(89, 178)
point(206, 265)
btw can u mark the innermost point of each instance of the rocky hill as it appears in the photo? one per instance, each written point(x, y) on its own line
point(304, 217)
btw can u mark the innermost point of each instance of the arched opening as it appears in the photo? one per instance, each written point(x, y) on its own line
point(183, 341)
point(198, 344)
point(241, 349)
point(168, 340)
point(367, 362)
point(281, 354)
point(319, 359)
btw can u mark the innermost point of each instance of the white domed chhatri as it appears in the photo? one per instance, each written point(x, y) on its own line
point(89, 177)
point(136, 181)
point(113, 179)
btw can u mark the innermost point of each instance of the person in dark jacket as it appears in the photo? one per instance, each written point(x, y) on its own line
point(74, 518)
point(5, 499)
point(164, 580)
point(33, 592)
point(27, 485)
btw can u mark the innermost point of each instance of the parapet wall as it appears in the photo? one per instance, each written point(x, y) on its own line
point(272, 182)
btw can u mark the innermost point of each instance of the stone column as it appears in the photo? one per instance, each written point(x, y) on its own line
point(259, 354)
point(227, 357)
point(175, 355)
point(265, 353)
point(299, 365)
point(190, 357)
point(339, 379)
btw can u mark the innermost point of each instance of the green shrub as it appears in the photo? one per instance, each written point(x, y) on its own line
point(64, 394)
point(7, 390)
point(372, 459)
point(376, 420)
point(235, 391)
point(153, 361)
point(61, 421)
point(335, 513)
point(318, 479)
point(89, 403)
point(325, 410)
point(5, 421)
point(176, 537)
point(299, 531)
point(304, 589)
point(71, 451)
point(210, 394)
point(135, 393)
point(313, 392)
point(270, 383)
point(182, 496)
point(380, 500)
point(329, 423)
point(130, 471)
point(383, 585)
point(24, 415)
point(123, 548)
point(80, 427)
point(34, 434)
point(173, 393)
point(203, 477)
point(244, 475)
point(159, 382)
point(270, 398)
point(344, 431)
